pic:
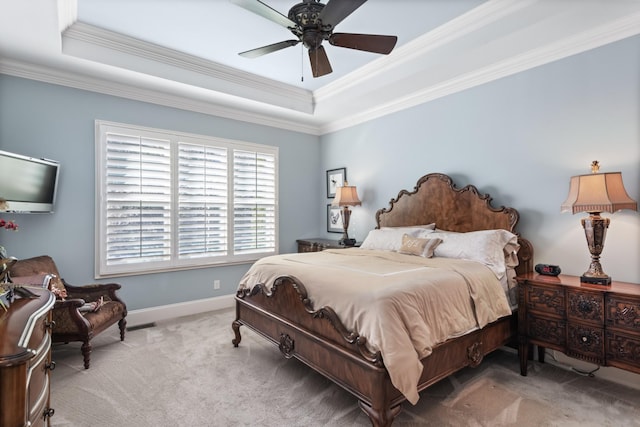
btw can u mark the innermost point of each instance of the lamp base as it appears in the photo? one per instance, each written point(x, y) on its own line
point(595, 230)
point(604, 281)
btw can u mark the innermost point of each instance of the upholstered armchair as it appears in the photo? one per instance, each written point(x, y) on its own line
point(80, 312)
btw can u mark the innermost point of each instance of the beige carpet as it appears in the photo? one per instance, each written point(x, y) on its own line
point(186, 372)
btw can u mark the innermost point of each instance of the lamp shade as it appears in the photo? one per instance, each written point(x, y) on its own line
point(597, 192)
point(346, 196)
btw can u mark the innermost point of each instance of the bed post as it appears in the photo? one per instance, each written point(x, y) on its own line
point(380, 417)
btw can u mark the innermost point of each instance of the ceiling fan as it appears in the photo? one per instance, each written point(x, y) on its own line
point(312, 22)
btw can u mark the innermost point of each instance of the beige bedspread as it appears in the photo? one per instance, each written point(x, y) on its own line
point(402, 304)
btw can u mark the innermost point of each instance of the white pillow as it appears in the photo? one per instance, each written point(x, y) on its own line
point(431, 226)
point(494, 248)
point(388, 239)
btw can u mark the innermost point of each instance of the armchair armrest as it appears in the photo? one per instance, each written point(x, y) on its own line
point(69, 303)
point(93, 292)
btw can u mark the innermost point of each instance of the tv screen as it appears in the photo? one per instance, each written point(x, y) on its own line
point(27, 184)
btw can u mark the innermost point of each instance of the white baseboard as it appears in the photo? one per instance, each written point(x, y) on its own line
point(144, 316)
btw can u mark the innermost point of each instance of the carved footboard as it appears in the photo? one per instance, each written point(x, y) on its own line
point(318, 338)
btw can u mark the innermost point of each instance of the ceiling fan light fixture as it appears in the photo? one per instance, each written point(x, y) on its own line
point(313, 22)
point(307, 13)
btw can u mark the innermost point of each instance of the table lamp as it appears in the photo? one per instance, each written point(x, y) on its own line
point(595, 193)
point(346, 196)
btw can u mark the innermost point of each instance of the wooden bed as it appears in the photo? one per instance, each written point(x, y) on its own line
point(316, 336)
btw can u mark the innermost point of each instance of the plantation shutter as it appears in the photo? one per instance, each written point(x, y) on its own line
point(168, 201)
point(254, 201)
point(138, 199)
point(202, 201)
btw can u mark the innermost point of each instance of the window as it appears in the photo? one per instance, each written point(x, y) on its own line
point(168, 201)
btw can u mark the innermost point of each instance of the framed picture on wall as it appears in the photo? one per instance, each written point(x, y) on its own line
point(334, 219)
point(335, 179)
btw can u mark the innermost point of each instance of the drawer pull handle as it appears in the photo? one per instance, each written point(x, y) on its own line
point(48, 412)
point(50, 366)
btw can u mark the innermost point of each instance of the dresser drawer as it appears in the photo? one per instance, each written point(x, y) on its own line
point(585, 306)
point(38, 381)
point(623, 350)
point(623, 312)
point(25, 373)
point(585, 342)
point(545, 299)
point(549, 331)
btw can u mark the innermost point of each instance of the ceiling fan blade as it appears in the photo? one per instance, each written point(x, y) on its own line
point(336, 10)
point(368, 42)
point(254, 53)
point(260, 8)
point(319, 62)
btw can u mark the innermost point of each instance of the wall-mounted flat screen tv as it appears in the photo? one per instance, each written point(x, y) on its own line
point(27, 184)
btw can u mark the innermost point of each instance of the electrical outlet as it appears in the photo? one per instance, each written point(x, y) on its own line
point(216, 284)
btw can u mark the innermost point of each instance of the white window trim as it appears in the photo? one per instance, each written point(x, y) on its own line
point(102, 270)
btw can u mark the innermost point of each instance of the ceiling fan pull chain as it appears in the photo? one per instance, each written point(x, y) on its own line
point(302, 63)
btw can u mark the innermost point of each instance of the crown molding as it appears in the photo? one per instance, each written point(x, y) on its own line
point(222, 109)
point(86, 41)
point(628, 26)
point(67, 13)
point(479, 17)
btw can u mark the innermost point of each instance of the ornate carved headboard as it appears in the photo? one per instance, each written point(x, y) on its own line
point(435, 199)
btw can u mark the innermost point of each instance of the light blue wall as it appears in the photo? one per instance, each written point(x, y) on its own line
point(43, 120)
point(519, 139)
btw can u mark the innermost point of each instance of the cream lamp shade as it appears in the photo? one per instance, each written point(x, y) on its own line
point(598, 192)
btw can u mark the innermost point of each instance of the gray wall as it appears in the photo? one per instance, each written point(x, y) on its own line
point(519, 139)
point(43, 120)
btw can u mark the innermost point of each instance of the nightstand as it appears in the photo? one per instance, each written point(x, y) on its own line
point(317, 245)
point(598, 324)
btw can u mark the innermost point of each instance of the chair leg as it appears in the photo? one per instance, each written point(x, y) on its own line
point(122, 324)
point(86, 353)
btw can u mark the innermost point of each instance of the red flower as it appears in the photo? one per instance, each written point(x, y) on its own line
point(9, 225)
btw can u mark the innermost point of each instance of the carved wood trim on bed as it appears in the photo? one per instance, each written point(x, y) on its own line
point(436, 200)
point(317, 337)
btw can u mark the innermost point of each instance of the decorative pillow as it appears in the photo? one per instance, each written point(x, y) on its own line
point(494, 248)
point(91, 306)
point(56, 285)
point(388, 239)
point(418, 246)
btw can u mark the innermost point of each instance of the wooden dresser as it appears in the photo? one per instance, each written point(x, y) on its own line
point(317, 245)
point(599, 324)
point(25, 361)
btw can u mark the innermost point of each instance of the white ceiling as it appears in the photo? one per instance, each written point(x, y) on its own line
point(217, 30)
point(183, 53)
